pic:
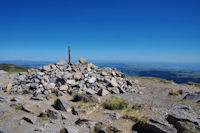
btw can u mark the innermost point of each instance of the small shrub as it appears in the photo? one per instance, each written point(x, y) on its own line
point(193, 84)
point(174, 92)
point(43, 116)
point(88, 105)
point(97, 127)
point(134, 113)
point(136, 106)
point(19, 107)
point(189, 129)
point(115, 103)
point(84, 98)
point(49, 96)
point(143, 120)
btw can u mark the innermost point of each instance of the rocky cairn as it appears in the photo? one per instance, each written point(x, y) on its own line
point(79, 77)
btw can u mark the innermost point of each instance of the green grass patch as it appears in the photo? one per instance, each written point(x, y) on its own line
point(136, 106)
point(97, 127)
point(115, 103)
point(193, 84)
point(49, 96)
point(84, 98)
point(189, 129)
point(85, 102)
point(19, 107)
point(186, 102)
point(43, 116)
point(10, 68)
point(135, 115)
point(174, 92)
point(152, 78)
point(85, 105)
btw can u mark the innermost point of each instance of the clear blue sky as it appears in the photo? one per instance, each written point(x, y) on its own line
point(118, 30)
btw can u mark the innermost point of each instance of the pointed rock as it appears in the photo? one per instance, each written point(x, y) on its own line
point(63, 105)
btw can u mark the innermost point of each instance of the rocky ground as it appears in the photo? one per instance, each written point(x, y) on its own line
point(71, 98)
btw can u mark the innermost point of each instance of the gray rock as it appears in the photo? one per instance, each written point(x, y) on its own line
point(184, 107)
point(82, 60)
point(28, 108)
point(50, 86)
point(181, 121)
point(71, 82)
point(113, 82)
point(34, 86)
point(90, 91)
point(37, 98)
point(115, 129)
point(64, 117)
point(3, 99)
point(68, 76)
point(1, 131)
point(77, 75)
point(29, 119)
point(154, 125)
point(63, 105)
point(195, 97)
point(46, 68)
point(114, 115)
point(114, 90)
point(63, 88)
point(103, 92)
point(70, 129)
point(121, 90)
point(52, 113)
point(92, 80)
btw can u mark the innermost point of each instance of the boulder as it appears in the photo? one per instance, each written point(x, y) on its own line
point(82, 60)
point(71, 82)
point(50, 86)
point(113, 82)
point(68, 76)
point(90, 65)
point(92, 80)
point(195, 97)
point(103, 92)
point(90, 91)
point(173, 118)
point(34, 86)
point(63, 88)
point(9, 86)
point(52, 113)
point(28, 108)
point(29, 119)
point(46, 68)
point(77, 75)
point(61, 63)
point(154, 125)
point(63, 105)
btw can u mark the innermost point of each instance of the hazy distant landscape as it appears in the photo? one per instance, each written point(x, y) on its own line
point(178, 72)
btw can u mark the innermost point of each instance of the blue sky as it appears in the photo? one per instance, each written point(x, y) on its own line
point(117, 30)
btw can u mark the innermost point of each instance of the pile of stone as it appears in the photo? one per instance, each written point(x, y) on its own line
point(79, 77)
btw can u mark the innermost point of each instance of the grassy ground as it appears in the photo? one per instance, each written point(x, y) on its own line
point(10, 68)
point(194, 84)
point(152, 78)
